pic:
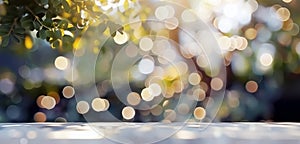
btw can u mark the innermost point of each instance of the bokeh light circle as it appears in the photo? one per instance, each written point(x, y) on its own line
point(152, 74)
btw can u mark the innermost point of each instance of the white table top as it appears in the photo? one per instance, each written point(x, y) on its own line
point(99, 133)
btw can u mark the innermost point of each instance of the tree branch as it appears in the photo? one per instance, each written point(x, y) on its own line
point(36, 17)
point(12, 26)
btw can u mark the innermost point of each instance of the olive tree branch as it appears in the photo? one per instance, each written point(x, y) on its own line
point(37, 18)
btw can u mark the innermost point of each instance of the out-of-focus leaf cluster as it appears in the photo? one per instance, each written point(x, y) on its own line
point(59, 22)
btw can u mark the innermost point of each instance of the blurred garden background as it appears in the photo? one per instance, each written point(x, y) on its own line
point(40, 40)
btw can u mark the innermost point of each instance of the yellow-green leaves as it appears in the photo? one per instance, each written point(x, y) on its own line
point(51, 19)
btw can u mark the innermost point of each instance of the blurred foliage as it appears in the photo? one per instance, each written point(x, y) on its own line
point(59, 22)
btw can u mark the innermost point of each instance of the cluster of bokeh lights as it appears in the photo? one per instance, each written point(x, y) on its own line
point(243, 29)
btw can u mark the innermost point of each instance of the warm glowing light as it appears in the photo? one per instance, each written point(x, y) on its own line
point(76, 43)
point(82, 107)
point(171, 23)
point(68, 92)
point(28, 42)
point(243, 43)
point(170, 115)
point(199, 113)
point(171, 73)
point(188, 16)
point(99, 104)
point(147, 94)
point(146, 44)
point(61, 63)
point(48, 102)
point(169, 92)
point(266, 59)
point(40, 117)
point(55, 95)
point(84, 14)
point(166, 103)
point(156, 111)
point(182, 67)
point(204, 86)
point(133, 98)
point(121, 38)
point(194, 78)
point(251, 86)
point(297, 48)
point(251, 33)
point(202, 61)
point(155, 89)
point(238, 42)
point(283, 13)
point(171, 11)
point(39, 101)
point(160, 46)
point(216, 84)
point(128, 113)
point(199, 94)
point(224, 42)
point(287, 1)
point(288, 25)
point(162, 12)
point(178, 85)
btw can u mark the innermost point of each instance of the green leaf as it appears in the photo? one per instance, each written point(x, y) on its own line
point(66, 6)
point(72, 29)
point(67, 42)
point(36, 25)
point(57, 34)
point(5, 41)
point(42, 34)
point(8, 19)
point(49, 33)
point(67, 38)
point(63, 24)
point(44, 2)
point(19, 30)
point(56, 2)
point(4, 30)
point(47, 22)
point(55, 44)
point(26, 18)
point(39, 10)
point(26, 22)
